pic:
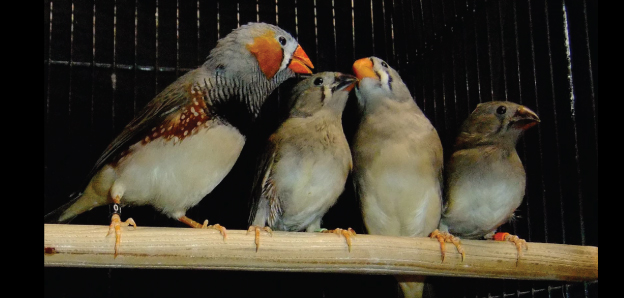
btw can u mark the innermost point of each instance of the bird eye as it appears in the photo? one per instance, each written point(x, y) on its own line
point(384, 64)
point(282, 40)
point(318, 81)
point(501, 110)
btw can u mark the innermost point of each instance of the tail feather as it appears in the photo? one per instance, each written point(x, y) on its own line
point(414, 286)
point(55, 216)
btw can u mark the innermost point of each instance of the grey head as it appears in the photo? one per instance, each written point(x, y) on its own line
point(258, 52)
point(378, 81)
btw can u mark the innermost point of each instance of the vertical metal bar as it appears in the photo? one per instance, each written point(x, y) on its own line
point(47, 107)
point(316, 31)
point(423, 55)
point(466, 62)
point(500, 17)
point(71, 59)
point(296, 22)
point(177, 67)
point(114, 65)
point(218, 22)
point(574, 127)
point(334, 31)
point(489, 50)
point(593, 101)
point(353, 29)
point(156, 53)
point(557, 146)
point(199, 62)
point(276, 13)
point(454, 72)
point(537, 110)
point(474, 23)
point(136, 45)
point(518, 62)
point(441, 54)
point(373, 28)
point(383, 22)
point(92, 116)
point(392, 32)
point(591, 75)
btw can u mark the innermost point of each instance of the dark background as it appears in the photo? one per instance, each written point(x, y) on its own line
point(104, 60)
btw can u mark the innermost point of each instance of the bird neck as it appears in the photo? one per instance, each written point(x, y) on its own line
point(469, 141)
point(237, 99)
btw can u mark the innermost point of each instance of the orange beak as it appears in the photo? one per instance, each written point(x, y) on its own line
point(363, 68)
point(300, 62)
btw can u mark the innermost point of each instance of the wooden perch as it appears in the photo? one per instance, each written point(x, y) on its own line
point(185, 248)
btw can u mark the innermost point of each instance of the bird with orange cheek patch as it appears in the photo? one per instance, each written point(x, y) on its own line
point(187, 139)
point(397, 160)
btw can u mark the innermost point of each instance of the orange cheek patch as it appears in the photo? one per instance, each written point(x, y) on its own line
point(268, 52)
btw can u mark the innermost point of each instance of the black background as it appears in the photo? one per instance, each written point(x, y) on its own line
point(104, 60)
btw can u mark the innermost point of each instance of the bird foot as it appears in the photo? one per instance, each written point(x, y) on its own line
point(346, 233)
point(515, 240)
point(257, 229)
point(194, 224)
point(448, 237)
point(116, 225)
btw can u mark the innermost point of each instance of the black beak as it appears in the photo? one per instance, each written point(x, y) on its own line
point(345, 81)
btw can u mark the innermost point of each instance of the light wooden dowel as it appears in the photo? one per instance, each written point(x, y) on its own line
point(186, 248)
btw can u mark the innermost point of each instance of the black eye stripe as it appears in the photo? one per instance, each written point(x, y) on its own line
point(389, 78)
point(378, 74)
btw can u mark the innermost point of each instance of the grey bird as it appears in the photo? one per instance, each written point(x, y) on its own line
point(187, 139)
point(398, 160)
point(305, 165)
point(485, 179)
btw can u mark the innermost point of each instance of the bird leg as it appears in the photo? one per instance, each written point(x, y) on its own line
point(257, 230)
point(447, 237)
point(346, 233)
point(116, 223)
point(515, 240)
point(194, 224)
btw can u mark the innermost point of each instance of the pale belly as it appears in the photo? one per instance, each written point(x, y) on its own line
point(174, 177)
point(308, 190)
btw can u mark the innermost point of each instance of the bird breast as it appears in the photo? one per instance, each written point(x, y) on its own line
point(311, 173)
point(174, 176)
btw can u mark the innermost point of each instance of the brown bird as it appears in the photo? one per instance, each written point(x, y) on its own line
point(485, 179)
point(305, 164)
point(187, 139)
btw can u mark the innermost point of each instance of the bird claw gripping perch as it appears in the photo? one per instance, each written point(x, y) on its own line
point(447, 237)
point(257, 230)
point(194, 224)
point(116, 224)
point(346, 233)
point(515, 240)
